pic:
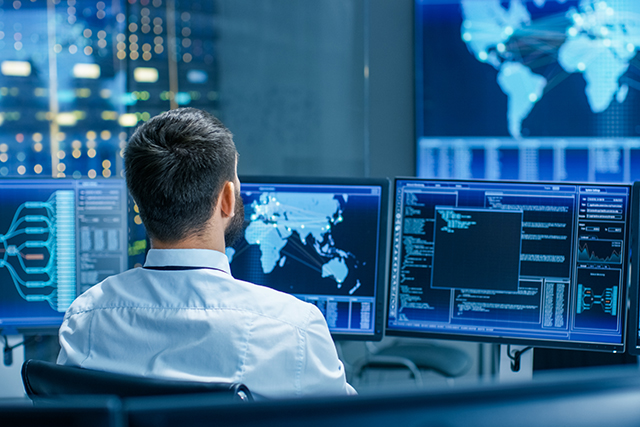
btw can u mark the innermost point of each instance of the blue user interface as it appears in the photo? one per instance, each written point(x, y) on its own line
point(511, 90)
point(59, 237)
point(321, 242)
point(534, 263)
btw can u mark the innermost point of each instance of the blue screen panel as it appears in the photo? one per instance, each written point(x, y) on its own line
point(542, 264)
point(634, 287)
point(59, 237)
point(523, 89)
point(323, 241)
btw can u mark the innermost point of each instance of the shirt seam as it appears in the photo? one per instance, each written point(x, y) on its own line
point(243, 366)
point(89, 340)
point(302, 353)
point(199, 269)
point(134, 307)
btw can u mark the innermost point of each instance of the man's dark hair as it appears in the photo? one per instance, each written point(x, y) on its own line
point(176, 164)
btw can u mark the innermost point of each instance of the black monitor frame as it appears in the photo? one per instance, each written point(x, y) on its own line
point(66, 411)
point(596, 396)
point(381, 274)
point(469, 334)
point(633, 322)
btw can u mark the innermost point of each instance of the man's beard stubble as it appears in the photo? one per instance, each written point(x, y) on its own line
point(236, 226)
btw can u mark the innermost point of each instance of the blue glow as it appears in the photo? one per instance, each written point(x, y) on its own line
point(197, 76)
point(183, 98)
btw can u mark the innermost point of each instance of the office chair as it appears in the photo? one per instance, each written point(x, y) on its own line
point(447, 361)
point(46, 379)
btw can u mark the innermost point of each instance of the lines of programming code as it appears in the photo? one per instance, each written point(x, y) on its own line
point(527, 261)
point(476, 249)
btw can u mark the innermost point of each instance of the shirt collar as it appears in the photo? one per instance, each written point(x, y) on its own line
point(188, 258)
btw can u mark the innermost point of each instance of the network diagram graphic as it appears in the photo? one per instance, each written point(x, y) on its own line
point(608, 300)
point(38, 250)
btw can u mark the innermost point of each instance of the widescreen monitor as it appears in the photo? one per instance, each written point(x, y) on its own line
point(527, 90)
point(58, 238)
point(633, 341)
point(577, 398)
point(321, 240)
point(531, 263)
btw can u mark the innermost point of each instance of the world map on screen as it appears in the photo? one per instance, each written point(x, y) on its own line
point(594, 38)
point(275, 217)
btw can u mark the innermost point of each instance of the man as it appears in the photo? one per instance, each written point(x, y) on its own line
point(183, 315)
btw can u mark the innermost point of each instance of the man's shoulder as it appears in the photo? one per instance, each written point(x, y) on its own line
point(134, 288)
point(280, 305)
point(100, 293)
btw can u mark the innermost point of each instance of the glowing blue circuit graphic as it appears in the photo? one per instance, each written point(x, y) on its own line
point(38, 250)
point(608, 300)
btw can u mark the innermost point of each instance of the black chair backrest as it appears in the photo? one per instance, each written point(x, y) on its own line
point(46, 379)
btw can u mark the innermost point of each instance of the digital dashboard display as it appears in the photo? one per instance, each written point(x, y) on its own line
point(58, 238)
point(528, 90)
point(321, 240)
point(542, 264)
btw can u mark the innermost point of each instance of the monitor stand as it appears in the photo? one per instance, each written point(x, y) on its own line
point(516, 363)
point(10, 376)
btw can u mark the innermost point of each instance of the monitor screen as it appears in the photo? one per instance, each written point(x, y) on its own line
point(633, 340)
point(321, 240)
point(540, 264)
point(59, 237)
point(527, 90)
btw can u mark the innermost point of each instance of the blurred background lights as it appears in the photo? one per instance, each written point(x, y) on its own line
point(128, 120)
point(86, 71)
point(145, 75)
point(16, 68)
point(66, 119)
point(197, 76)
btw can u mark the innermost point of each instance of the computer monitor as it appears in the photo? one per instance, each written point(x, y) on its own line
point(513, 90)
point(69, 411)
point(322, 240)
point(59, 237)
point(595, 397)
point(531, 263)
point(633, 328)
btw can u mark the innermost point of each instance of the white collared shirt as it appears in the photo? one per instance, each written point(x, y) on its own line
point(202, 325)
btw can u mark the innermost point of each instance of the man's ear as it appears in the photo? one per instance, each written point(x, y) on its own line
point(228, 200)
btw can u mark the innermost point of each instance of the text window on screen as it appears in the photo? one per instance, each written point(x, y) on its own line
point(481, 241)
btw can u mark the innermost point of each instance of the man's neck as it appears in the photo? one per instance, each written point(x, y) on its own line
point(191, 242)
point(210, 237)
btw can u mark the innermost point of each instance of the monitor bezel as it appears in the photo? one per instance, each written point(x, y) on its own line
point(383, 247)
point(633, 319)
point(557, 344)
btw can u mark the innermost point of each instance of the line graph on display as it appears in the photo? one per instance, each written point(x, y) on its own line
point(601, 251)
point(38, 250)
